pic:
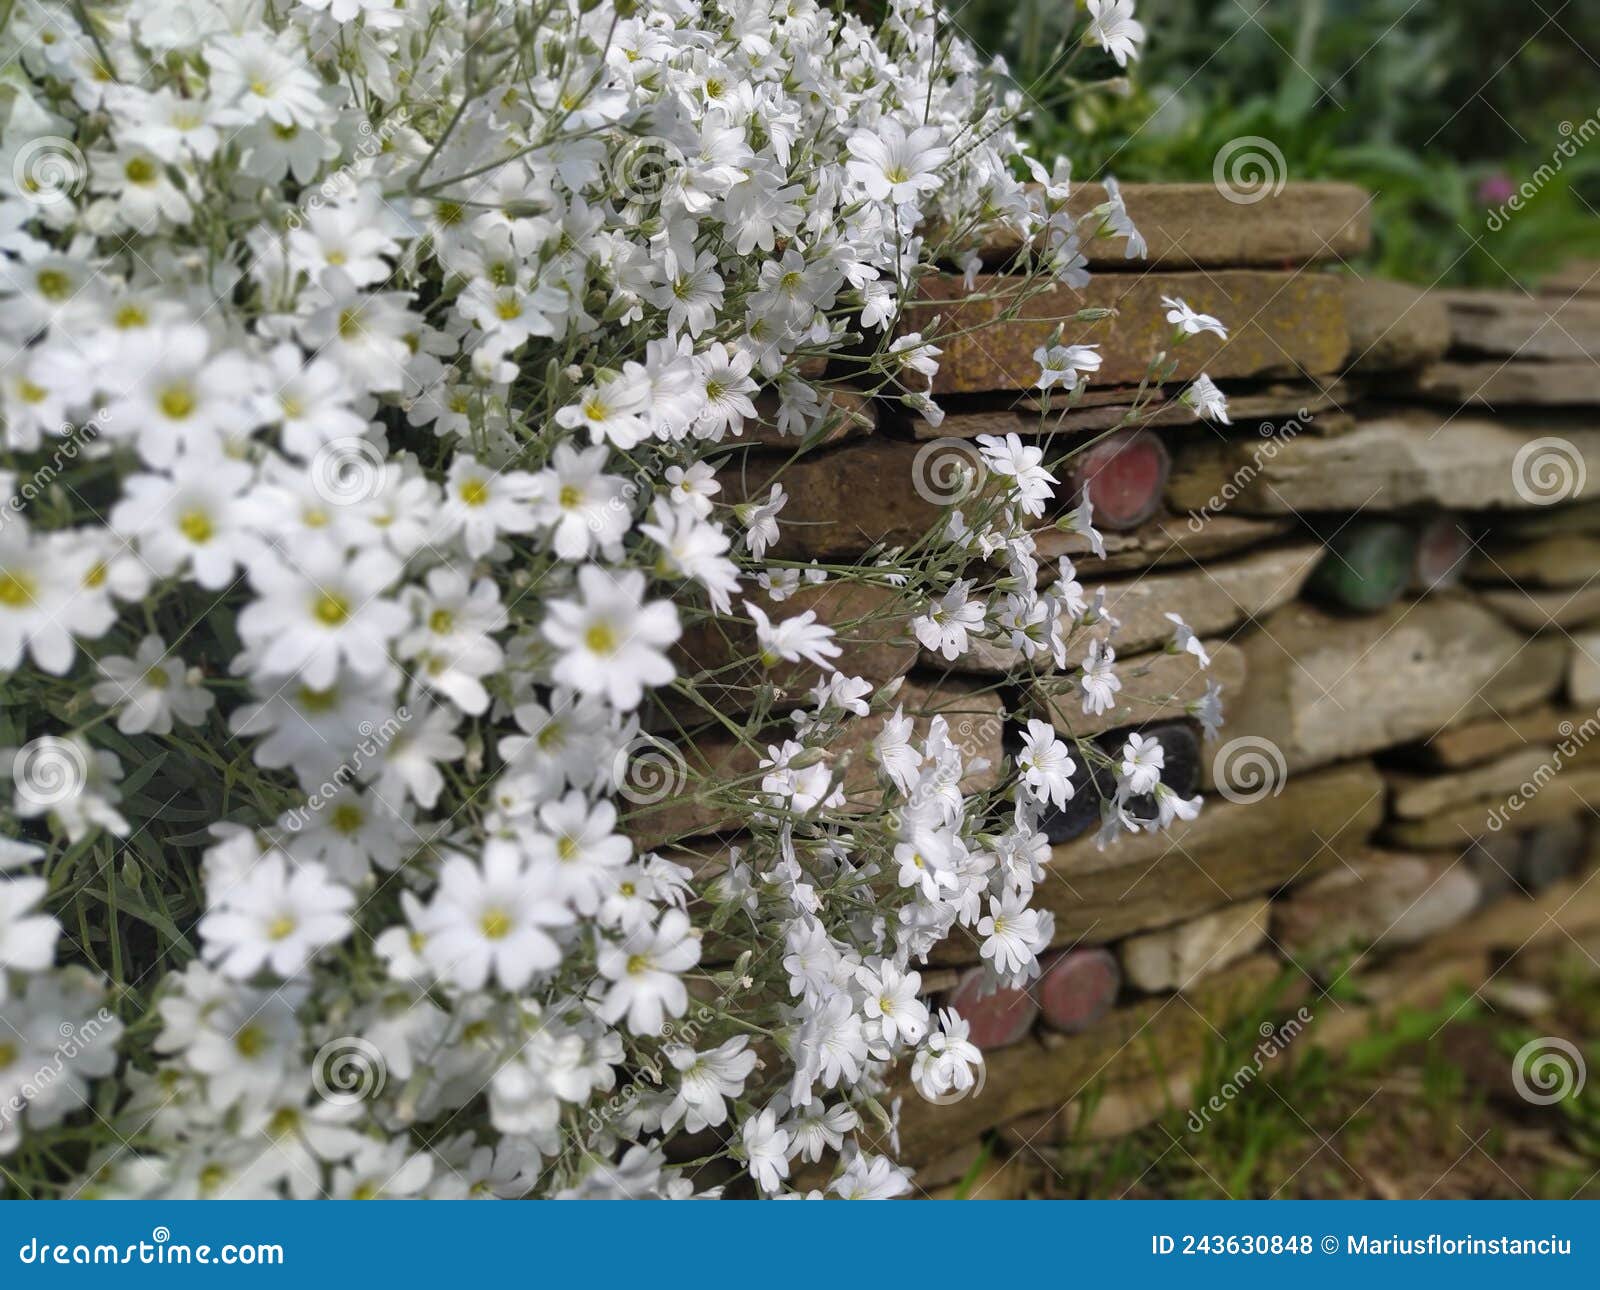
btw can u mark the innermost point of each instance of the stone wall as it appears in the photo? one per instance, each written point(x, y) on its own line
point(1392, 556)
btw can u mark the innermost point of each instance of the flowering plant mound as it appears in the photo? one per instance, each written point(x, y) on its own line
point(368, 372)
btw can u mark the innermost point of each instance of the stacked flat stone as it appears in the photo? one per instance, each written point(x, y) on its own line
point(1404, 620)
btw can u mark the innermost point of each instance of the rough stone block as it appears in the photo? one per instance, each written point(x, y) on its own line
point(1175, 957)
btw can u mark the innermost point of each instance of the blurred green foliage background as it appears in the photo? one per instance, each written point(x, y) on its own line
point(1442, 108)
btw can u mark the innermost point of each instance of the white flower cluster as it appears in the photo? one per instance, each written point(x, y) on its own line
point(365, 369)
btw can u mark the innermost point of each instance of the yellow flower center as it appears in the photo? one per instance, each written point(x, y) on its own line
point(496, 924)
point(474, 492)
point(280, 927)
point(140, 170)
point(347, 818)
point(176, 401)
point(441, 621)
point(16, 590)
point(196, 526)
point(331, 610)
point(570, 497)
point(600, 639)
point(250, 1040)
point(638, 964)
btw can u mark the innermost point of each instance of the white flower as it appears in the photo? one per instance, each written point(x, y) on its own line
point(766, 1149)
point(1142, 762)
point(895, 165)
point(793, 639)
point(1046, 764)
point(1013, 934)
point(1100, 681)
point(644, 969)
point(493, 919)
point(1113, 27)
point(611, 642)
point(585, 509)
point(1184, 641)
point(276, 917)
point(1064, 365)
point(150, 689)
point(1190, 323)
point(27, 937)
point(890, 999)
point(944, 627)
point(1208, 402)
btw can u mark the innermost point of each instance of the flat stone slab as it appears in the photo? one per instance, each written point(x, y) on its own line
point(1324, 687)
point(1394, 325)
point(1583, 670)
point(1391, 462)
point(1513, 324)
point(1280, 325)
point(1229, 853)
point(1545, 610)
point(1372, 899)
point(1415, 797)
point(1166, 539)
point(1507, 383)
point(1194, 225)
point(1155, 687)
point(695, 786)
point(1174, 958)
point(1569, 793)
point(1560, 560)
point(1475, 742)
